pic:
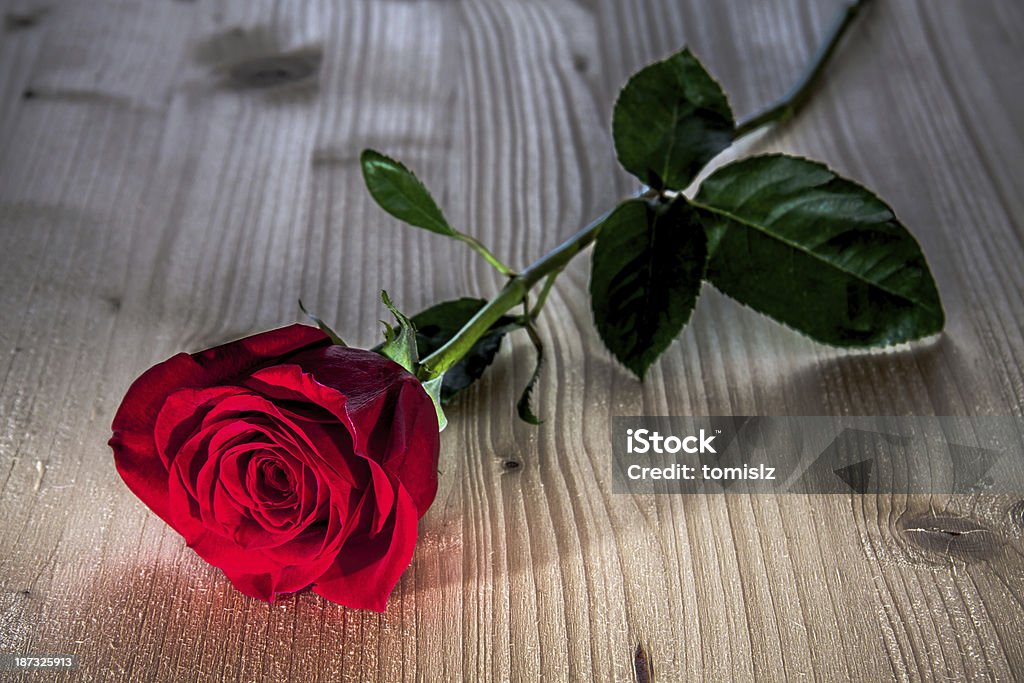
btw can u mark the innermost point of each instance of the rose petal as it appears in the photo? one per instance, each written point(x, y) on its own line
point(391, 418)
point(260, 573)
point(244, 355)
point(135, 451)
point(367, 569)
point(412, 444)
point(383, 498)
point(182, 414)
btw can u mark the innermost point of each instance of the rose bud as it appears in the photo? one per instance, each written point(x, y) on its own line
point(287, 462)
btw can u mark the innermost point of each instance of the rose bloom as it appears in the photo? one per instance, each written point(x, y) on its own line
point(287, 462)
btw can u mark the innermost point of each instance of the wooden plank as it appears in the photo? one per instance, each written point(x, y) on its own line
point(160, 190)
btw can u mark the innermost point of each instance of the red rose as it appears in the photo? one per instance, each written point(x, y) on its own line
point(285, 461)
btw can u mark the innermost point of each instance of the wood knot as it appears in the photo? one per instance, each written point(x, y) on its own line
point(510, 465)
point(19, 21)
point(948, 537)
point(274, 70)
point(643, 667)
point(113, 301)
point(1016, 514)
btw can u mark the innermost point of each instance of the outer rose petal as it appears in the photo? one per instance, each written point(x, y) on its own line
point(393, 420)
point(135, 452)
point(367, 569)
point(256, 574)
point(412, 445)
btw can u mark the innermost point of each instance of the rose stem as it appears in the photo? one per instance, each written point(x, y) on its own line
point(790, 103)
point(555, 260)
point(486, 253)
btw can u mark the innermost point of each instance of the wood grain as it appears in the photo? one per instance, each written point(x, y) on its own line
point(177, 174)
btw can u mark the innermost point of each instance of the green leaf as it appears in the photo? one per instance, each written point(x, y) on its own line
point(523, 407)
point(401, 194)
point(433, 389)
point(439, 323)
point(791, 239)
point(670, 120)
point(399, 344)
point(647, 268)
point(332, 335)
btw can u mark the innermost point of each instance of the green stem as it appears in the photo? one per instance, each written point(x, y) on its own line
point(486, 253)
point(511, 294)
point(790, 103)
point(519, 285)
point(543, 296)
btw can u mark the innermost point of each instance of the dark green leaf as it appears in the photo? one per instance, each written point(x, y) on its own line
point(332, 335)
point(523, 407)
point(647, 268)
point(670, 120)
point(791, 239)
point(401, 194)
point(399, 344)
point(439, 323)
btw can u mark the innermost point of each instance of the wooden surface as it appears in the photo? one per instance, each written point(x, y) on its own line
point(165, 187)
